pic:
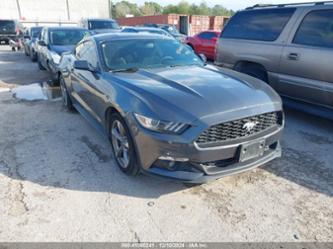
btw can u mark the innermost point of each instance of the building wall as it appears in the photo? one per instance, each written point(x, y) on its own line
point(218, 22)
point(197, 23)
point(54, 10)
point(140, 20)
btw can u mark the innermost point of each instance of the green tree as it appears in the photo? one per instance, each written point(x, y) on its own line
point(151, 8)
point(123, 8)
point(183, 7)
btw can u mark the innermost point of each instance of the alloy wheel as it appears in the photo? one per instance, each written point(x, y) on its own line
point(120, 144)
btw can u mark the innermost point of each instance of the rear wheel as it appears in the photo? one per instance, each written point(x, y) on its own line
point(33, 55)
point(40, 66)
point(122, 145)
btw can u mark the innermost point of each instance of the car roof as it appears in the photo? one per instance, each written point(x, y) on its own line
point(145, 29)
point(100, 19)
point(36, 27)
point(127, 36)
point(66, 28)
point(305, 5)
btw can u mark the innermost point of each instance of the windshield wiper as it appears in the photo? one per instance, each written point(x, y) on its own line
point(183, 65)
point(125, 70)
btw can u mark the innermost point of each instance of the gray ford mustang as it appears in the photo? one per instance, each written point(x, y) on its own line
point(166, 112)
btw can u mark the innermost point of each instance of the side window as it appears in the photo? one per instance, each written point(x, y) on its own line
point(260, 24)
point(86, 51)
point(41, 36)
point(207, 35)
point(316, 29)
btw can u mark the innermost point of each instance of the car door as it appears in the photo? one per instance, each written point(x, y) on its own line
point(306, 62)
point(87, 85)
point(200, 40)
point(44, 49)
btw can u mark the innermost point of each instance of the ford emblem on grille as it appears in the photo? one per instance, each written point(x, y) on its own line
point(249, 126)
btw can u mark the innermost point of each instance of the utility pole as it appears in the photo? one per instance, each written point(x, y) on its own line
point(19, 9)
point(110, 8)
point(68, 12)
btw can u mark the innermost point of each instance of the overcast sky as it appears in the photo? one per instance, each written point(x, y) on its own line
point(230, 4)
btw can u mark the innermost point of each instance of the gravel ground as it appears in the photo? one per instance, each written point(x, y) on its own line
point(58, 182)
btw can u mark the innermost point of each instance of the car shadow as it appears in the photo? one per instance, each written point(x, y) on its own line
point(307, 152)
point(73, 159)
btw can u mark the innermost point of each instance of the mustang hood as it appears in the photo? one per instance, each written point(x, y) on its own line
point(200, 92)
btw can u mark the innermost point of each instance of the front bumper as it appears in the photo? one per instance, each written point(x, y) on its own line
point(202, 177)
point(185, 161)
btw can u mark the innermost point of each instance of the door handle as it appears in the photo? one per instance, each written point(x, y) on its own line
point(293, 56)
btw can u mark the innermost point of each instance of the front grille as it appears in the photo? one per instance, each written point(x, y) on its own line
point(237, 129)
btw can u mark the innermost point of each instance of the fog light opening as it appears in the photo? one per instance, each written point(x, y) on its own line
point(173, 159)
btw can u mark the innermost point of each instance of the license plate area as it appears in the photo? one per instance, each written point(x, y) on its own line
point(252, 150)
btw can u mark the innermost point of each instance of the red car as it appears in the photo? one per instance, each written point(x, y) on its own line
point(204, 43)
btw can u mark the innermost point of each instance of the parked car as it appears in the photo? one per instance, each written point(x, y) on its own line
point(10, 30)
point(99, 26)
point(171, 29)
point(53, 42)
point(167, 112)
point(30, 39)
point(204, 43)
point(145, 30)
point(288, 46)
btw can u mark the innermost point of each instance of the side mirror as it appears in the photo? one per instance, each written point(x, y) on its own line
point(42, 43)
point(83, 65)
point(203, 58)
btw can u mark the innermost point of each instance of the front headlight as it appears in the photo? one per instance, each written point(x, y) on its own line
point(160, 126)
point(55, 57)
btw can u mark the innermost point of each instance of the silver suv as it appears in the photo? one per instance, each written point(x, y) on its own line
point(288, 46)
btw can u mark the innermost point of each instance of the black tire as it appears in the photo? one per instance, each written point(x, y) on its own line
point(40, 66)
point(65, 95)
point(33, 56)
point(132, 168)
point(255, 71)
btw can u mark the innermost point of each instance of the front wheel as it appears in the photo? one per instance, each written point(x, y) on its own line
point(40, 66)
point(65, 95)
point(122, 145)
point(33, 56)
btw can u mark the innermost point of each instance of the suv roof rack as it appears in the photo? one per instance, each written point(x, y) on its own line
point(288, 4)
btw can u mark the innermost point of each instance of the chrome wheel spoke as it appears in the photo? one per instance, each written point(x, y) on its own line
point(120, 144)
point(117, 135)
point(125, 156)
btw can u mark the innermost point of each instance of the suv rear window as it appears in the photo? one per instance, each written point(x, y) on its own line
point(261, 25)
point(316, 29)
point(101, 24)
point(7, 25)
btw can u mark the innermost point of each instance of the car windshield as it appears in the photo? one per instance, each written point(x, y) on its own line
point(103, 25)
point(152, 31)
point(171, 30)
point(147, 53)
point(7, 25)
point(66, 37)
point(35, 32)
